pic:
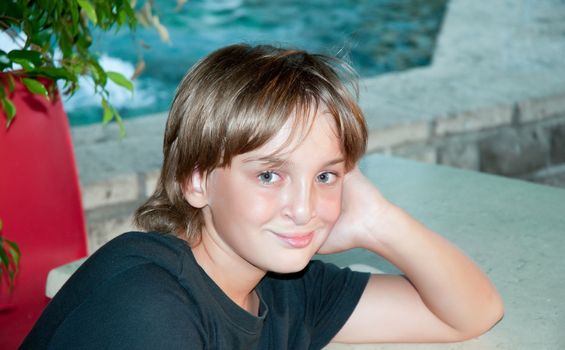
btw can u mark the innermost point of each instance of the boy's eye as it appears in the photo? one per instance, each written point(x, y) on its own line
point(268, 177)
point(326, 178)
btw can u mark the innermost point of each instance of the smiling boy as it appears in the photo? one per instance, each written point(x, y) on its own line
point(259, 174)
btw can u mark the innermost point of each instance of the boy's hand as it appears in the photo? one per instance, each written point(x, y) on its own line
point(363, 215)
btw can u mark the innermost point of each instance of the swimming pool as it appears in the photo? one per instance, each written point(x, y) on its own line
point(377, 36)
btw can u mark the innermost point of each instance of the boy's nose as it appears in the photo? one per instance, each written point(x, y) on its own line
point(300, 206)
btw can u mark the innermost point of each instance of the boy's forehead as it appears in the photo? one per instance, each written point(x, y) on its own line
point(278, 147)
point(281, 146)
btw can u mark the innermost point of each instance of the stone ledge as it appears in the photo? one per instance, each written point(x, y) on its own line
point(385, 138)
point(488, 117)
point(541, 108)
point(553, 176)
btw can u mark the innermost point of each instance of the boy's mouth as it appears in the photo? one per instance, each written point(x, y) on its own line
point(299, 240)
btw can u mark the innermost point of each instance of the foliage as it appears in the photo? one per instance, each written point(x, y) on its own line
point(55, 39)
point(9, 259)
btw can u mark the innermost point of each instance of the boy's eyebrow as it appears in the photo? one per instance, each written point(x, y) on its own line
point(268, 160)
point(335, 161)
point(279, 162)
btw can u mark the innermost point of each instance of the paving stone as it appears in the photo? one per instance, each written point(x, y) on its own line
point(419, 152)
point(113, 158)
point(381, 114)
point(151, 178)
point(459, 155)
point(102, 231)
point(380, 139)
point(557, 135)
point(542, 108)
point(552, 176)
point(106, 192)
point(140, 127)
point(514, 152)
point(487, 117)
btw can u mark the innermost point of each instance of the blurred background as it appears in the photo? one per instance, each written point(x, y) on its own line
point(454, 83)
point(376, 36)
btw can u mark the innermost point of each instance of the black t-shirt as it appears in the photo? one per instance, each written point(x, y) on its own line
point(146, 291)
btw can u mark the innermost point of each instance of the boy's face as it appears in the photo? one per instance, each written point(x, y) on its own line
point(273, 212)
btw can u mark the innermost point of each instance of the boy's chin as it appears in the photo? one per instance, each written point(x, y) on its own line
point(290, 267)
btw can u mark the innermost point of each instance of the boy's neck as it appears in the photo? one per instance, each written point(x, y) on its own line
point(235, 277)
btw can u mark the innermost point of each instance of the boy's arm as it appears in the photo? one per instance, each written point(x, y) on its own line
point(443, 295)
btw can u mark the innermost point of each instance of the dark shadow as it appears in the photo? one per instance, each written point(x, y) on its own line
point(36, 103)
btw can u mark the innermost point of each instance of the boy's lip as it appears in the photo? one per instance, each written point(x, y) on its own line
point(296, 240)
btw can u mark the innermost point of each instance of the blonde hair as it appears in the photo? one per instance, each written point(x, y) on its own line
point(234, 101)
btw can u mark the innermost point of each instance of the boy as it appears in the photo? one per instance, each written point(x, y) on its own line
point(259, 175)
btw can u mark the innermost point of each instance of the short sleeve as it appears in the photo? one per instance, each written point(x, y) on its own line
point(141, 308)
point(332, 293)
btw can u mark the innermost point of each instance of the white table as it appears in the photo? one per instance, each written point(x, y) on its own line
point(513, 229)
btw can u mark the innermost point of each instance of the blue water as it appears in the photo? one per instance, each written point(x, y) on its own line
point(375, 36)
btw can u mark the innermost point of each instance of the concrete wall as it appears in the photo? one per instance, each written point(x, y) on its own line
point(512, 140)
point(493, 100)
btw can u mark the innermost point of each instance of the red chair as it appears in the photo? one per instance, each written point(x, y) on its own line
point(40, 205)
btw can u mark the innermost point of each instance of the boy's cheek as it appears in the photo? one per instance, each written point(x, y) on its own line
point(330, 210)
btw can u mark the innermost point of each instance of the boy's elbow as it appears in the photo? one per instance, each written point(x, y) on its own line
point(490, 315)
point(496, 312)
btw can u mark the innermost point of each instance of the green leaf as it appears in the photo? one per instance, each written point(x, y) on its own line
point(120, 124)
point(83, 44)
point(98, 73)
point(122, 18)
point(14, 246)
point(4, 257)
point(132, 18)
point(65, 45)
point(119, 79)
point(5, 61)
point(89, 10)
point(74, 16)
point(26, 65)
point(11, 87)
point(10, 110)
point(15, 253)
point(35, 87)
point(108, 112)
point(56, 73)
point(11, 275)
point(27, 55)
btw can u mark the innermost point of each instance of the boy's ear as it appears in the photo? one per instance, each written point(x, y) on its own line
point(194, 189)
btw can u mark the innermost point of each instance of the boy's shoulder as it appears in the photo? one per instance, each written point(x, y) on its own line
point(129, 284)
point(132, 248)
point(124, 255)
point(142, 243)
